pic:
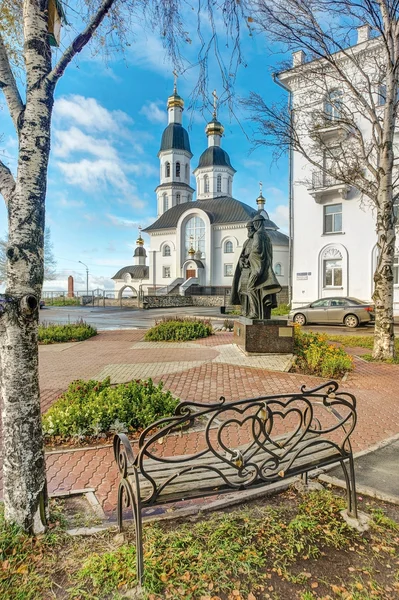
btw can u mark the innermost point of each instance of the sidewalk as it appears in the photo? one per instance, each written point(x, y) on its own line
point(203, 371)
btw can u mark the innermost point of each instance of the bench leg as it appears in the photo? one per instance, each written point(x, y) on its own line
point(350, 487)
point(126, 498)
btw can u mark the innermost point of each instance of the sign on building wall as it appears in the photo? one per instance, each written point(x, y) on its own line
point(303, 275)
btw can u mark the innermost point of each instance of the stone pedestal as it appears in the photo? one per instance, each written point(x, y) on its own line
point(272, 336)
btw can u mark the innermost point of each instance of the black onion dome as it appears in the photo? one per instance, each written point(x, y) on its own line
point(214, 156)
point(175, 137)
point(140, 251)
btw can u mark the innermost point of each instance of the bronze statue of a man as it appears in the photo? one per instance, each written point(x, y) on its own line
point(255, 284)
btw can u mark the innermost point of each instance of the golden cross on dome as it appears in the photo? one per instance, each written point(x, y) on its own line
point(175, 76)
point(260, 187)
point(140, 228)
point(215, 99)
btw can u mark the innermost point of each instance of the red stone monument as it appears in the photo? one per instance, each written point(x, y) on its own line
point(70, 287)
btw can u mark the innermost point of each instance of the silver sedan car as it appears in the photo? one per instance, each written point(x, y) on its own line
point(348, 311)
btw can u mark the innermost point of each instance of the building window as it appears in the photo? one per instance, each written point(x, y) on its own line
point(333, 105)
point(278, 269)
point(229, 185)
point(187, 175)
point(166, 272)
point(177, 198)
point(382, 94)
point(167, 169)
point(333, 218)
point(195, 235)
point(206, 183)
point(332, 273)
point(189, 198)
point(228, 270)
point(228, 248)
point(165, 202)
point(177, 169)
point(166, 250)
point(396, 270)
point(219, 183)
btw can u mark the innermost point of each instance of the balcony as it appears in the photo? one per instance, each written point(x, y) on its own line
point(324, 185)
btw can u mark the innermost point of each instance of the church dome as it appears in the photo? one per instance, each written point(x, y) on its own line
point(175, 137)
point(214, 156)
point(140, 251)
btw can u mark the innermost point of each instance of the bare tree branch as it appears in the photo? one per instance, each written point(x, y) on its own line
point(9, 86)
point(80, 41)
point(7, 182)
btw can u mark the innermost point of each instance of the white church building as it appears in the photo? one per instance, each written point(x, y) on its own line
point(196, 242)
point(333, 230)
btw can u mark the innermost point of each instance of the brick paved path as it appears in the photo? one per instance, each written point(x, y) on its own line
point(202, 371)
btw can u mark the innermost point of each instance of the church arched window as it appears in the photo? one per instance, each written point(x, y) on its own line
point(165, 202)
point(228, 247)
point(187, 175)
point(178, 199)
point(219, 183)
point(195, 234)
point(229, 185)
point(278, 269)
point(177, 169)
point(166, 250)
point(167, 169)
point(206, 183)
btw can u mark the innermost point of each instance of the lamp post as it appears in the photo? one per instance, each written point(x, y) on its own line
point(87, 276)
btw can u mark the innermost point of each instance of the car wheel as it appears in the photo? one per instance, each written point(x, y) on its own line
point(351, 321)
point(300, 319)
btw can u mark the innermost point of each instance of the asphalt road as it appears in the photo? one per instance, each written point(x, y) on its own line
point(128, 318)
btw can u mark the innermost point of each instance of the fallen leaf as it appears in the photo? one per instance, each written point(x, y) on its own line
point(251, 596)
point(314, 585)
point(359, 586)
point(163, 577)
point(22, 570)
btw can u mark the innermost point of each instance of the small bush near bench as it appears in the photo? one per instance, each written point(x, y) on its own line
point(92, 408)
point(317, 357)
point(51, 333)
point(174, 329)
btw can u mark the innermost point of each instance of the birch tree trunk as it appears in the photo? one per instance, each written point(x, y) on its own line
point(25, 491)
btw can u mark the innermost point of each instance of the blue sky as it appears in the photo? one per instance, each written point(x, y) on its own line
point(107, 125)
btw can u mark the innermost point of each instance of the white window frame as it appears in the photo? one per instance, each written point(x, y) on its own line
point(165, 200)
point(396, 270)
point(333, 105)
point(166, 250)
point(167, 169)
point(332, 214)
point(278, 269)
point(206, 184)
point(228, 244)
point(219, 183)
point(334, 269)
point(166, 273)
point(227, 271)
point(178, 198)
point(178, 169)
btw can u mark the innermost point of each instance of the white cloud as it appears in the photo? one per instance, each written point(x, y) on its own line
point(92, 174)
point(74, 140)
point(122, 222)
point(66, 203)
point(147, 52)
point(89, 114)
point(280, 216)
point(153, 112)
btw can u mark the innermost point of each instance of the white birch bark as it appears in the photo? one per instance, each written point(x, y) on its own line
point(24, 470)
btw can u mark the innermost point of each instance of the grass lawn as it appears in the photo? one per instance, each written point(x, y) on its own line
point(360, 341)
point(285, 548)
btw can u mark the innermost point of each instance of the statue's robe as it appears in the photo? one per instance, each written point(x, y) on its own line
point(237, 285)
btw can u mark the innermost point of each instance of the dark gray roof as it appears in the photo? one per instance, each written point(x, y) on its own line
point(175, 137)
point(277, 238)
point(136, 272)
point(140, 251)
point(199, 263)
point(214, 156)
point(176, 184)
point(219, 210)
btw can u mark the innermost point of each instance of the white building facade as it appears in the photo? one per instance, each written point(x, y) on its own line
point(197, 242)
point(333, 228)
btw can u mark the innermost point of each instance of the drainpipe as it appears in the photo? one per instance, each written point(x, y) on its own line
point(290, 192)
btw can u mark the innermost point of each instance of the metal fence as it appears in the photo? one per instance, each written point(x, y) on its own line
point(322, 180)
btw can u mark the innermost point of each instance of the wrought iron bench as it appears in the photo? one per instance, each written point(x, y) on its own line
point(276, 437)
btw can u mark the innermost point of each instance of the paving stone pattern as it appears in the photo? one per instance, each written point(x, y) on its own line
point(203, 371)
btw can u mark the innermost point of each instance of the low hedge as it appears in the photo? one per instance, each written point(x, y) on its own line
point(51, 333)
point(94, 408)
point(173, 329)
point(316, 356)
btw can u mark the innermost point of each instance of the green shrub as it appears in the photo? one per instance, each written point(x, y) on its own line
point(316, 356)
point(51, 333)
point(62, 301)
point(282, 309)
point(91, 408)
point(175, 329)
